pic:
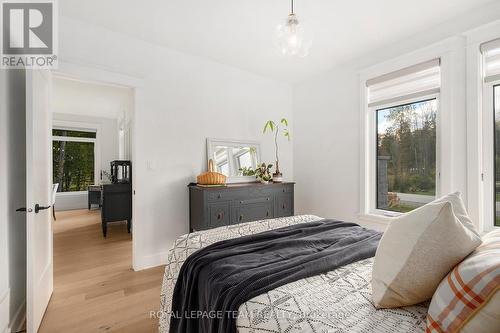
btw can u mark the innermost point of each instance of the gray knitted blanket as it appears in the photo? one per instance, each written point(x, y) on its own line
point(216, 280)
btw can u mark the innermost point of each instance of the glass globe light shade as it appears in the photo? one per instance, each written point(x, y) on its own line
point(292, 38)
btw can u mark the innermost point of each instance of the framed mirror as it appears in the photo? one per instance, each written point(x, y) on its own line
point(234, 157)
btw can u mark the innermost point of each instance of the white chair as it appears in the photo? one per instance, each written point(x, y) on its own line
point(54, 191)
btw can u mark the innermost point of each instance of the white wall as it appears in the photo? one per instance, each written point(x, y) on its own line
point(184, 100)
point(83, 98)
point(326, 145)
point(108, 146)
point(12, 196)
point(327, 125)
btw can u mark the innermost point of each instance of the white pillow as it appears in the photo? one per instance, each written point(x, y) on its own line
point(459, 210)
point(416, 252)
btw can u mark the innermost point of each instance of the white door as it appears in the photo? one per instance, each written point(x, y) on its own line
point(39, 188)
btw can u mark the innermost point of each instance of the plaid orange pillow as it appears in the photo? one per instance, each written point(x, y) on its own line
point(468, 298)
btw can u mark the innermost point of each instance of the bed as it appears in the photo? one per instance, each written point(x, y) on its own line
point(338, 301)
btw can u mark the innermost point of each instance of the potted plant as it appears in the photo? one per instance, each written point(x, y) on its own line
point(275, 128)
point(247, 171)
point(263, 173)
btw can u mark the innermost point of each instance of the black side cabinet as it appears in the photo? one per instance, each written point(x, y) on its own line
point(211, 207)
point(94, 196)
point(116, 205)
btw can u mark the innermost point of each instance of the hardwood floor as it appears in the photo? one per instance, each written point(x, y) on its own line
point(95, 288)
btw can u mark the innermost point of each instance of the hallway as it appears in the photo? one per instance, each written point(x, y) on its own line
point(95, 288)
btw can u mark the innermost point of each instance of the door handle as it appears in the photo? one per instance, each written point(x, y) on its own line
point(39, 208)
point(23, 209)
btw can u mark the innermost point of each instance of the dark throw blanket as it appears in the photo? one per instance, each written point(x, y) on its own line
point(216, 280)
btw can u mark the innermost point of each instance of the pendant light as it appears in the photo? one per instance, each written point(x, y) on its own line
point(292, 37)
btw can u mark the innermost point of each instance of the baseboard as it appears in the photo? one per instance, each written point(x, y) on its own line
point(155, 260)
point(19, 318)
point(4, 311)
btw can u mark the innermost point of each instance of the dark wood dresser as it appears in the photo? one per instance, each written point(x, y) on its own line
point(212, 207)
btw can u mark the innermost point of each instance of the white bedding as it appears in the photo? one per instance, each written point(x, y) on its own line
point(338, 301)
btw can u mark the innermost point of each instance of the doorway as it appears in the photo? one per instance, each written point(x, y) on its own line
point(91, 167)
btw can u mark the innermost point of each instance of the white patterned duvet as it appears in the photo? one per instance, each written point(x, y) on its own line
point(338, 301)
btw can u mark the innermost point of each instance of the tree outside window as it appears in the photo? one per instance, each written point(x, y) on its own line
point(406, 156)
point(73, 159)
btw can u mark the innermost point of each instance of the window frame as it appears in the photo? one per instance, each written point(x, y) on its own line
point(488, 155)
point(478, 174)
point(452, 100)
point(85, 127)
point(373, 147)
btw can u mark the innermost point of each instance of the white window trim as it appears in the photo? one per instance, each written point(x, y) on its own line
point(488, 158)
point(479, 177)
point(81, 126)
point(451, 71)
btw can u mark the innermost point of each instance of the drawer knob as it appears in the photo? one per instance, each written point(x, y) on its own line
point(218, 196)
point(220, 215)
point(241, 217)
point(267, 214)
point(283, 206)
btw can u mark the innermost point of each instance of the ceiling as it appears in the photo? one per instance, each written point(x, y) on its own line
point(83, 98)
point(240, 33)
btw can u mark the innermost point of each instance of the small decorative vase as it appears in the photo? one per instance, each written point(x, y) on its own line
point(277, 175)
point(264, 181)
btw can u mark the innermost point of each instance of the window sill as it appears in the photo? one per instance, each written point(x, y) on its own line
point(487, 229)
point(67, 194)
point(377, 220)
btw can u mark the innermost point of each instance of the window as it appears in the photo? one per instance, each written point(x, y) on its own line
point(406, 155)
point(73, 158)
point(401, 145)
point(491, 134)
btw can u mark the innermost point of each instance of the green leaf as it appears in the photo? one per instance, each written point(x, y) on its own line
point(287, 134)
point(265, 126)
point(271, 125)
point(284, 121)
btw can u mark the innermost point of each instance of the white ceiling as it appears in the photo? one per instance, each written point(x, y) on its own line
point(82, 98)
point(240, 33)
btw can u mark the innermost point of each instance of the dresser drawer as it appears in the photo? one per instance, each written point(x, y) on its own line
point(249, 201)
point(214, 195)
point(253, 212)
point(284, 205)
point(286, 188)
point(219, 214)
